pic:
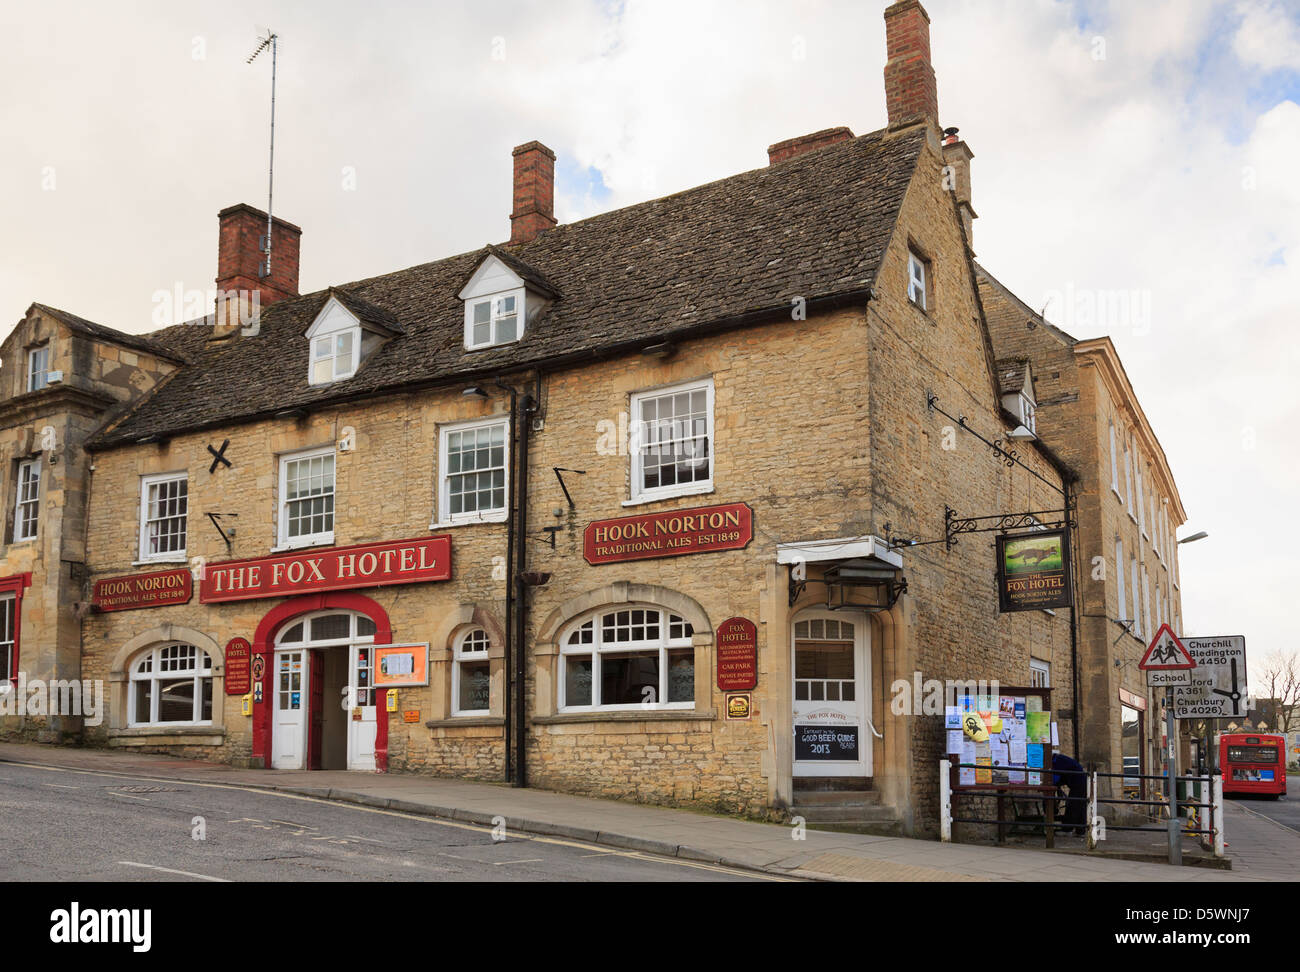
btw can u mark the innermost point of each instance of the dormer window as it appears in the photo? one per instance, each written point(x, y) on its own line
point(346, 331)
point(1018, 399)
point(502, 297)
point(1028, 413)
point(334, 356)
point(494, 320)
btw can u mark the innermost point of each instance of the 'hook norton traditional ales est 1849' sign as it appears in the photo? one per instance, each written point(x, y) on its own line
point(670, 534)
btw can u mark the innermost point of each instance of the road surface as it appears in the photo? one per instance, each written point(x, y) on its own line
point(81, 825)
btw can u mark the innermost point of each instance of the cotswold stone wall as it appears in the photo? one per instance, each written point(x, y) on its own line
point(922, 462)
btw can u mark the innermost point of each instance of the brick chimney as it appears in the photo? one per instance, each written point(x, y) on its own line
point(806, 143)
point(534, 192)
point(240, 259)
point(910, 88)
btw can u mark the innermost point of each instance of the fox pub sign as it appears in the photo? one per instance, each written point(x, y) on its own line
point(1033, 571)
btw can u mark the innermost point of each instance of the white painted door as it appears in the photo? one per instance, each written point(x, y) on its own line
point(832, 695)
point(289, 734)
point(361, 717)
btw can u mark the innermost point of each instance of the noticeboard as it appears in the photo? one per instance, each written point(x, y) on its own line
point(399, 666)
point(1009, 736)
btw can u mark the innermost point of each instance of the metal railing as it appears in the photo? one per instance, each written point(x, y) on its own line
point(1208, 805)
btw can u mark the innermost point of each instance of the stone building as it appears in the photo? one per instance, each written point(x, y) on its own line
point(61, 377)
point(1129, 511)
point(660, 505)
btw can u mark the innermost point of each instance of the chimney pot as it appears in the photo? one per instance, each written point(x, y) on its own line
point(534, 192)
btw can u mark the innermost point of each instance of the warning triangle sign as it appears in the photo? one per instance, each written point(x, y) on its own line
point(1166, 653)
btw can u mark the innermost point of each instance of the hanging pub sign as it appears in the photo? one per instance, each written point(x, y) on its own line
point(1033, 571)
point(239, 655)
point(143, 590)
point(669, 534)
point(737, 650)
point(331, 569)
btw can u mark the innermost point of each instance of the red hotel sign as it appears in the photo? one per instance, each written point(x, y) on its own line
point(670, 534)
point(331, 569)
point(143, 590)
point(238, 655)
point(737, 650)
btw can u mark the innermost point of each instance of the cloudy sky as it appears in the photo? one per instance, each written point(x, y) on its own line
point(1149, 149)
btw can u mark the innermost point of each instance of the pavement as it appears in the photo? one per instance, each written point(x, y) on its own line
point(1261, 849)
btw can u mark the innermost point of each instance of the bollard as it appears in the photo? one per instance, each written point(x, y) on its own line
point(945, 801)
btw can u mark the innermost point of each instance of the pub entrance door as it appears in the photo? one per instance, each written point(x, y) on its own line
point(832, 694)
point(325, 714)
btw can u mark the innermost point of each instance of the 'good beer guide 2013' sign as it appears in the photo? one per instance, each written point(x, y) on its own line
point(670, 534)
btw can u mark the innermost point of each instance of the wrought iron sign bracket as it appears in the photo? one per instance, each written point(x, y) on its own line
point(954, 526)
point(216, 522)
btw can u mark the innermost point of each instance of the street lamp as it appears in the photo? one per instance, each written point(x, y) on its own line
point(1195, 536)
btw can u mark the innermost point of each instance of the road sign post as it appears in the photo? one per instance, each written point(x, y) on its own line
point(1168, 663)
point(1175, 832)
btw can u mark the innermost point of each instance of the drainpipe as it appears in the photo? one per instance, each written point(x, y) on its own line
point(527, 408)
point(1075, 594)
point(510, 578)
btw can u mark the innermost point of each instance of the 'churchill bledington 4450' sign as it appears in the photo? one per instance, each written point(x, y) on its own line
point(670, 534)
point(333, 569)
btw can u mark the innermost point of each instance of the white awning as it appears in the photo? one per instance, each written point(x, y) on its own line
point(845, 548)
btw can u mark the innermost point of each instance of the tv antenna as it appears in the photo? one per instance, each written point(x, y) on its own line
point(263, 43)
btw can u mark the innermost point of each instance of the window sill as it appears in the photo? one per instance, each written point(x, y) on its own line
point(201, 734)
point(1114, 488)
point(452, 524)
point(466, 722)
point(702, 490)
point(289, 548)
point(628, 715)
point(179, 559)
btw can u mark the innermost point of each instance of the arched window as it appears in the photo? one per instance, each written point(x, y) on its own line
point(333, 629)
point(471, 674)
point(630, 658)
point(171, 685)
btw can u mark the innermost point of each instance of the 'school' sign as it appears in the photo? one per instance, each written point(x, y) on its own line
point(330, 569)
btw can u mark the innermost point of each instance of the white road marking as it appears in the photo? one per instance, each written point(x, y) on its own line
point(131, 795)
point(530, 860)
point(169, 870)
point(437, 821)
point(62, 786)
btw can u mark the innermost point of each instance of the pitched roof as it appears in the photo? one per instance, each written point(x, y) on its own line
point(99, 332)
point(365, 311)
point(815, 226)
point(1011, 374)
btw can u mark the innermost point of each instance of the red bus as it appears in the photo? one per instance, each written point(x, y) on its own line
point(1253, 763)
